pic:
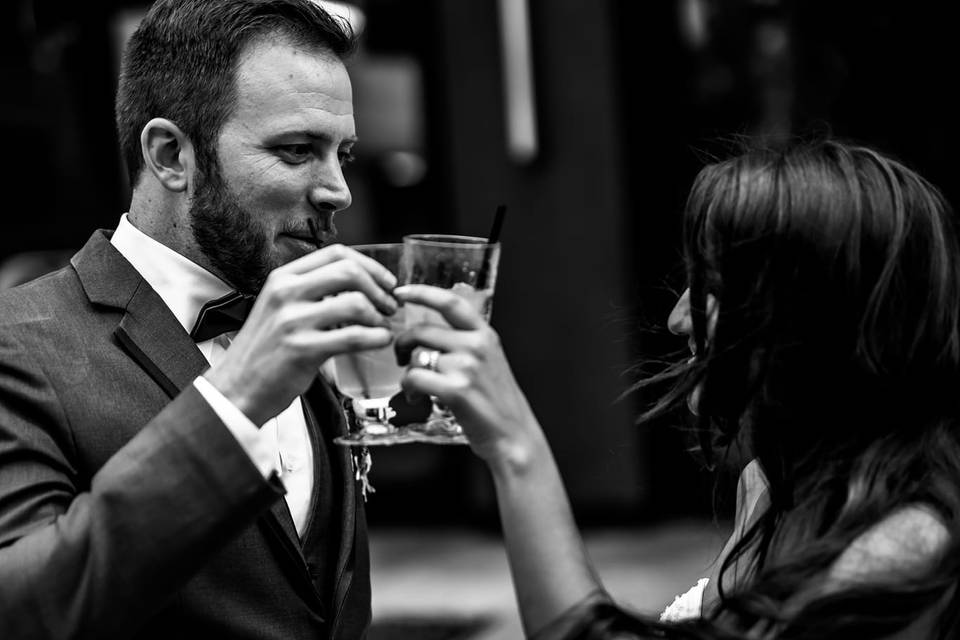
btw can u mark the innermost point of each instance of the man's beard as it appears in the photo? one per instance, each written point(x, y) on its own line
point(227, 234)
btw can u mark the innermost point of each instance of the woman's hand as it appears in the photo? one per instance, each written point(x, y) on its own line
point(472, 376)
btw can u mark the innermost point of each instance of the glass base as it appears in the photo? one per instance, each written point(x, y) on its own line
point(434, 431)
point(373, 416)
point(377, 431)
point(439, 429)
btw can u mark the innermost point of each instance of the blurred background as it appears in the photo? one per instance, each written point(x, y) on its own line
point(588, 119)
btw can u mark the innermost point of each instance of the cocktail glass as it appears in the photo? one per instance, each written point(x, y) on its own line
point(371, 378)
point(466, 265)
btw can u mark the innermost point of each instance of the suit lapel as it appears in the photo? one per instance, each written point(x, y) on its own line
point(148, 331)
point(155, 339)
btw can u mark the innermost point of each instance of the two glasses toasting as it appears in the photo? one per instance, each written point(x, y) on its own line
point(467, 266)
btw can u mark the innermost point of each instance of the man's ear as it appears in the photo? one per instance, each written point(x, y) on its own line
point(168, 154)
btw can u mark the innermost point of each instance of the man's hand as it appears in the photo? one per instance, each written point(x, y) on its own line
point(328, 302)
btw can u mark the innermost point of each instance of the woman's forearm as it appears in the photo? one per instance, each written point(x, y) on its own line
point(548, 560)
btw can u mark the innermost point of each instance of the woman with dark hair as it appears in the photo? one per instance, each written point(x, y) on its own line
point(823, 316)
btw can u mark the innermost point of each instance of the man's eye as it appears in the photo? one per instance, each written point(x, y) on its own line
point(346, 157)
point(294, 153)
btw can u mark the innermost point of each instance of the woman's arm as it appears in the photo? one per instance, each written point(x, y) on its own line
point(548, 561)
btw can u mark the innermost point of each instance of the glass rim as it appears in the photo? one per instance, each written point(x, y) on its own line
point(446, 239)
point(375, 245)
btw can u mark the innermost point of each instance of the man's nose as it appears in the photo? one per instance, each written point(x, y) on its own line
point(679, 322)
point(330, 192)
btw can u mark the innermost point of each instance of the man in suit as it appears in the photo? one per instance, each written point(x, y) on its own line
point(163, 474)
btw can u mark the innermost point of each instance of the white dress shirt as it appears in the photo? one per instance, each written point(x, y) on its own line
point(283, 443)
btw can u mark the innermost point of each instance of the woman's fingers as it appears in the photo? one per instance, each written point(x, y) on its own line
point(430, 383)
point(431, 336)
point(455, 309)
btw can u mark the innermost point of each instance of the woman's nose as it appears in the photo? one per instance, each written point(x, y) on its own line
point(679, 322)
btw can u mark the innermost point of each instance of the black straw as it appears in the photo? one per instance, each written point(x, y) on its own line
point(493, 238)
point(497, 224)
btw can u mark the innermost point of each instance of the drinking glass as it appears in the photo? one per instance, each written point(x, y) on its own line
point(372, 377)
point(466, 265)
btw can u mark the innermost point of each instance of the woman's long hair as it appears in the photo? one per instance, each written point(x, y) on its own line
point(836, 358)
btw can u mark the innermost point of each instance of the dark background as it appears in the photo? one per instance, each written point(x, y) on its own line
point(631, 98)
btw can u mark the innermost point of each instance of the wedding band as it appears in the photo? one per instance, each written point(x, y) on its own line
point(426, 359)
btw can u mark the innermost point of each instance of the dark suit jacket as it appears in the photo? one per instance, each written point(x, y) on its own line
point(127, 509)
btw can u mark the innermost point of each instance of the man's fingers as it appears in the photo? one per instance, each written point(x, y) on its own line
point(336, 252)
point(347, 339)
point(351, 307)
point(455, 309)
point(380, 274)
point(333, 254)
point(330, 279)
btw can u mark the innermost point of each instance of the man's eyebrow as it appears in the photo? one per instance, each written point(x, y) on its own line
point(315, 135)
point(327, 137)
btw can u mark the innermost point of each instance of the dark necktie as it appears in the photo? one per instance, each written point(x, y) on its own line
point(222, 315)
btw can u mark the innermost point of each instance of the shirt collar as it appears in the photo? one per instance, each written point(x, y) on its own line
point(183, 285)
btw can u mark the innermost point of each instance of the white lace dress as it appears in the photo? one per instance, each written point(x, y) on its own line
point(686, 606)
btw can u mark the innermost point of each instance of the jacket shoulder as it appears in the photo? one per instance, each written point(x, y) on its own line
point(55, 296)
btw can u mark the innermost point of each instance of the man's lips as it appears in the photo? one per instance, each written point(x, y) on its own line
point(306, 237)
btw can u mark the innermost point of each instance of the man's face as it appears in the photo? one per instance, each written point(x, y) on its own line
point(280, 156)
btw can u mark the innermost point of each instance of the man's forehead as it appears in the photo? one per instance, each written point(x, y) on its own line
point(278, 100)
point(313, 124)
point(277, 68)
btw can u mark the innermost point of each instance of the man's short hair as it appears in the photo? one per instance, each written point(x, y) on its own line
point(181, 64)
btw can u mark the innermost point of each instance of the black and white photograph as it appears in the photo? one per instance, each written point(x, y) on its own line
point(479, 320)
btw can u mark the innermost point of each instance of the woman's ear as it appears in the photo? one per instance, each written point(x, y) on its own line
point(168, 154)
